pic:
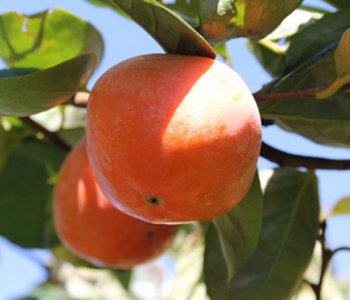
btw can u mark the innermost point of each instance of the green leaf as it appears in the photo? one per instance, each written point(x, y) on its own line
point(25, 202)
point(339, 3)
point(46, 39)
point(72, 135)
point(189, 9)
point(48, 291)
point(62, 254)
point(311, 64)
point(166, 27)
point(66, 47)
point(221, 50)
point(215, 269)
point(239, 230)
point(8, 140)
point(108, 4)
point(317, 39)
point(289, 232)
point(16, 72)
point(342, 207)
point(225, 19)
point(271, 50)
point(123, 276)
point(35, 92)
point(323, 121)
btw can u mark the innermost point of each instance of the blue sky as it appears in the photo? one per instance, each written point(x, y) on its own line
point(124, 39)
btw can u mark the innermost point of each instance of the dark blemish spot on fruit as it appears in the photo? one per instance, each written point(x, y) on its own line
point(153, 201)
point(150, 234)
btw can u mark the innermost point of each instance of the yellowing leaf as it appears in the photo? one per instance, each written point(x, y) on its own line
point(342, 207)
point(342, 54)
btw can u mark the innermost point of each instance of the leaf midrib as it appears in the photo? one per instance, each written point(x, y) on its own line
point(286, 236)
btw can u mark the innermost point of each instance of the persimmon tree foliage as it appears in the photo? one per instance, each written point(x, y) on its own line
point(262, 247)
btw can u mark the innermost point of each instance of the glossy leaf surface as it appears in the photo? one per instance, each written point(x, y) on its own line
point(289, 232)
point(310, 64)
point(46, 39)
point(231, 239)
point(25, 202)
point(38, 91)
point(166, 27)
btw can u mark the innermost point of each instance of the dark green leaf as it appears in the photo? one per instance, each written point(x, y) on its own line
point(225, 19)
point(323, 121)
point(289, 232)
point(339, 3)
point(16, 72)
point(239, 230)
point(290, 229)
point(311, 64)
point(46, 39)
point(108, 4)
point(25, 202)
point(72, 135)
point(342, 207)
point(166, 27)
point(123, 276)
point(317, 39)
point(190, 9)
point(8, 140)
point(215, 269)
point(29, 94)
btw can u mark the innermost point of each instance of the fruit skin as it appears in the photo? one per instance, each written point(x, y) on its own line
point(172, 138)
point(91, 228)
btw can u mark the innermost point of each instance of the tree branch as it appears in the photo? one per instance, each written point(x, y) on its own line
point(51, 136)
point(290, 160)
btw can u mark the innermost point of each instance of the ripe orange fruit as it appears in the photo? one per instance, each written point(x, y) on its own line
point(91, 228)
point(173, 138)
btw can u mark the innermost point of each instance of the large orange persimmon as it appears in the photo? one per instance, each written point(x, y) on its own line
point(173, 138)
point(90, 227)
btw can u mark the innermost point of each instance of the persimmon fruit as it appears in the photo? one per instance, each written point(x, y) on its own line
point(173, 138)
point(94, 230)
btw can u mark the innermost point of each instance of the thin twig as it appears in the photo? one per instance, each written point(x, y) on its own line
point(291, 160)
point(51, 136)
point(340, 249)
point(326, 256)
point(309, 93)
point(295, 95)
